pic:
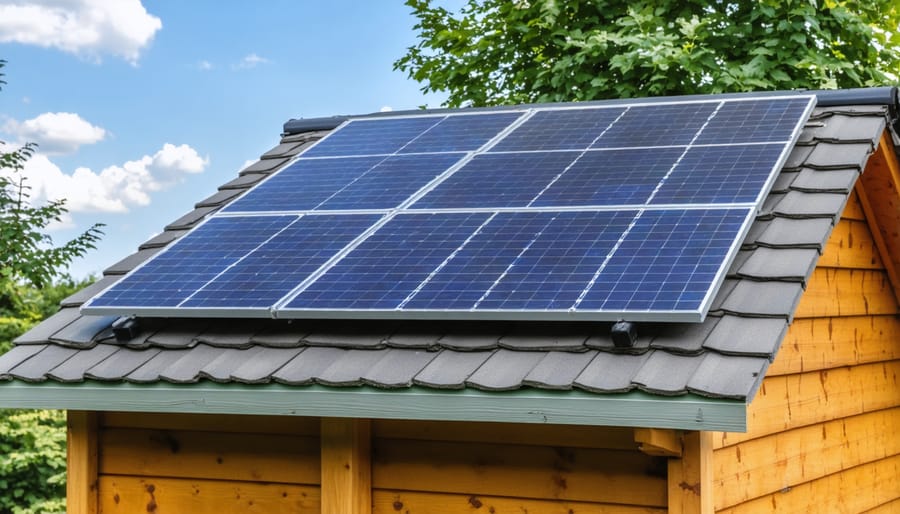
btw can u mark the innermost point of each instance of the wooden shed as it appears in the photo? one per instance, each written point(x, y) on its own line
point(785, 399)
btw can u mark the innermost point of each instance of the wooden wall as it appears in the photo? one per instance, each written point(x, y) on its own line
point(207, 464)
point(824, 429)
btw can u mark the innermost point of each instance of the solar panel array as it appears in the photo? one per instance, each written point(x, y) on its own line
point(592, 212)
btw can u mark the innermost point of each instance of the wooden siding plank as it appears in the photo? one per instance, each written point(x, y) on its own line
point(853, 210)
point(154, 495)
point(690, 478)
point(842, 292)
point(822, 343)
point(851, 246)
point(614, 438)
point(346, 466)
point(891, 507)
point(852, 490)
point(630, 478)
point(793, 401)
point(879, 195)
point(287, 425)
point(410, 502)
point(763, 466)
point(81, 462)
point(229, 456)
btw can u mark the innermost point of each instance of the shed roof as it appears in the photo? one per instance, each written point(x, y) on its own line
point(687, 373)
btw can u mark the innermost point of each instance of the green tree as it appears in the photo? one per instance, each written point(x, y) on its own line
point(521, 51)
point(32, 282)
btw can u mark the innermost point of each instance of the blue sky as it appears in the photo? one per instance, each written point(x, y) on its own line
point(142, 109)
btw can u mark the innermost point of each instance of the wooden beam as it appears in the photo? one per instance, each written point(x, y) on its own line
point(658, 442)
point(690, 478)
point(81, 462)
point(879, 194)
point(346, 466)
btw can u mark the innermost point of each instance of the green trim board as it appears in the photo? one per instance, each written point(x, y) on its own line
point(632, 409)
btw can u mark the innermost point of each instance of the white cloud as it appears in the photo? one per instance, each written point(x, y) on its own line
point(88, 28)
point(250, 61)
point(114, 188)
point(56, 132)
point(204, 65)
point(386, 108)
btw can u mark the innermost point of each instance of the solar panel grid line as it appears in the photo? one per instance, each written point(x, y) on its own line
point(563, 172)
point(606, 260)
point(681, 157)
point(582, 208)
point(619, 148)
point(443, 264)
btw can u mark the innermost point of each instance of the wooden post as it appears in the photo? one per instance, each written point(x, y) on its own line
point(659, 442)
point(81, 461)
point(346, 466)
point(690, 477)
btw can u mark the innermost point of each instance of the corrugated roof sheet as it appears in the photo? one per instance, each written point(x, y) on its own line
point(724, 357)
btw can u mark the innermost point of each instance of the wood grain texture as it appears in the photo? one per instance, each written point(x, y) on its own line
point(538, 472)
point(132, 495)
point(842, 292)
point(690, 478)
point(879, 194)
point(814, 344)
point(793, 401)
point(210, 455)
point(614, 438)
point(81, 462)
point(287, 425)
point(852, 490)
point(853, 210)
point(410, 502)
point(891, 507)
point(851, 246)
point(346, 466)
point(659, 441)
point(784, 460)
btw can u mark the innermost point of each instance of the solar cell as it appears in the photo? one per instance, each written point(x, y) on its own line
point(379, 136)
point(271, 271)
point(755, 121)
point(566, 129)
point(192, 261)
point(461, 133)
point(657, 125)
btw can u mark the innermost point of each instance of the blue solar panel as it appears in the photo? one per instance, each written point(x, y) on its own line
point(192, 261)
point(345, 183)
point(720, 174)
point(387, 267)
point(592, 212)
point(270, 272)
point(568, 129)
point(668, 261)
point(525, 260)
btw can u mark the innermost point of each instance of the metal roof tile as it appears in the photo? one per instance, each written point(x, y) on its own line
point(189, 219)
point(120, 364)
point(763, 299)
point(35, 369)
point(471, 341)
point(611, 372)
point(230, 334)
point(178, 334)
point(83, 331)
point(349, 368)
point(420, 338)
point(398, 367)
point(558, 370)
point(783, 181)
point(72, 370)
point(797, 157)
point(666, 373)
point(450, 369)
point(42, 332)
point(17, 356)
point(226, 362)
point(810, 205)
point(347, 337)
point(243, 181)
point(282, 336)
point(220, 197)
point(851, 127)
point(129, 263)
point(833, 156)
point(744, 374)
point(149, 371)
point(187, 368)
point(546, 339)
point(309, 364)
point(792, 264)
point(162, 239)
point(833, 181)
point(683, 338)
point(265, 165)
point(88, 292)
point(796, 233)
point(260, 367)
point(504, 371)
point(753, 337)
point(286, 149)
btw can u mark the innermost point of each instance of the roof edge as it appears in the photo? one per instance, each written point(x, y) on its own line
point(884, 95)
point(632, 409)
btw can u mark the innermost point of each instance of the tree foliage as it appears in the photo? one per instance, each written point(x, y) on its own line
point(522, 51)
point(32, 462)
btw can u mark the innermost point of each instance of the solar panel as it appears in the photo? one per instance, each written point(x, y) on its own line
point(598, 211)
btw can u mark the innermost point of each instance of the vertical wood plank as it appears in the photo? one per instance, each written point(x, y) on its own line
point(81, 461)
point(346, 466)
point(690, 477)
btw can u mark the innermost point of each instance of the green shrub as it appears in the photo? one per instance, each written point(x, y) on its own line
point(32, 461)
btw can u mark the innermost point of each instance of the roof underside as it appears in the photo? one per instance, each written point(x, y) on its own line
point(715, 366)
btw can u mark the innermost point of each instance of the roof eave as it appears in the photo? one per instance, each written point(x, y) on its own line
point(632, 409)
